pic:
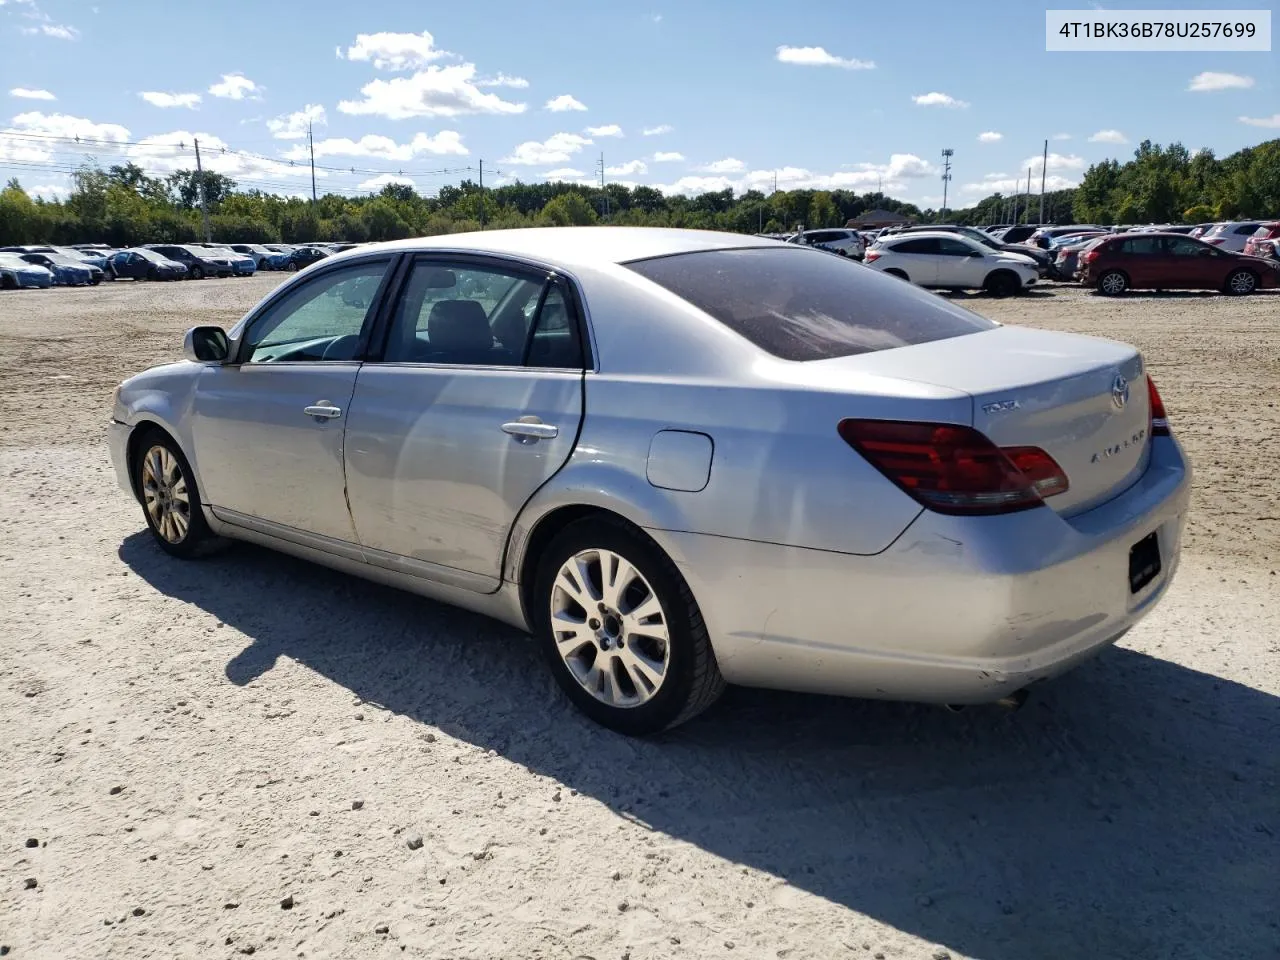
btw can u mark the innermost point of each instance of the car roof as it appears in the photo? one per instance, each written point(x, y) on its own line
point(575, 246)
point(927, 234)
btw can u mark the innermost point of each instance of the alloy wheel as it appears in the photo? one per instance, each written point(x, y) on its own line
point(1242, 282)
point(1113, 283)
point(609, 628)
point(164, 494)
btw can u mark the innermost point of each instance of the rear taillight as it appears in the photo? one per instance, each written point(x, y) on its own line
point(955, 469)
point(1089, 256)
point(872, 255)
point(1159, 420)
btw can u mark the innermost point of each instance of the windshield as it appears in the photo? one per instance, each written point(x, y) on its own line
point(14, 262)
point(800, 304)
point(150, 255)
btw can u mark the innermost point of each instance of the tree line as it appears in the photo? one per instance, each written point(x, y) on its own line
point(122, 205)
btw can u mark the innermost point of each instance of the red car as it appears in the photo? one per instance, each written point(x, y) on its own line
point(1265, 241)
point(1171, 261)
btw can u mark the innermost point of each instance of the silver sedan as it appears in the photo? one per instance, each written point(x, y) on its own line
point(679, 459)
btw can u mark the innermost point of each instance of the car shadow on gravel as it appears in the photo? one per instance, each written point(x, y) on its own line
point(1131, 809)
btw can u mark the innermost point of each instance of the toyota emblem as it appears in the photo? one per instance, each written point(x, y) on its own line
point(1119, 391)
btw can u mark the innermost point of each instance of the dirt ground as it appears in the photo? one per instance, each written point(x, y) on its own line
point(253, 755)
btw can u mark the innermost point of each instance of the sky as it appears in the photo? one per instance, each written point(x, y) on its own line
point(687, 97)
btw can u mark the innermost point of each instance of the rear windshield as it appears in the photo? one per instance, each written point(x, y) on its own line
point(800, 304)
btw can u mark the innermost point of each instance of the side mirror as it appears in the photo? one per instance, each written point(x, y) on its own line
point(206, 345)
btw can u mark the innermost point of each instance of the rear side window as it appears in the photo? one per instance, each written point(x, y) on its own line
point(1141, 246)
point(800, 304)
point(923, 245)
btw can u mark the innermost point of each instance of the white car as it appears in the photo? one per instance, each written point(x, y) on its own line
point(952, 261)
point(847, 242)
point(1231, 235)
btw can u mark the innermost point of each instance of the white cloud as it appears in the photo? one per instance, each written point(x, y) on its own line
point(1108, 136)
point(1062, 136)
point(1208, 81)
point(158, 99)
point(990, 136)
point(563, 173)
point(894, 175)
point(1055, 161)
point(727, 165)
point(557, 148)
point(50, 191)
point(667, 156)
point(658, 130)
point(235, 86)
point(936, 99)
point(629, 169)
point(502, 80)
point(293, 126)
point(563, 103)
point(612, 130)
point(394, 51)
point(26, 94)
point(382, 179)
point(55, 30)
point(384, 148)
point(435, 92)
point(818, 57)
point(63, 125)
point(1003, 183)
point(1271, 122)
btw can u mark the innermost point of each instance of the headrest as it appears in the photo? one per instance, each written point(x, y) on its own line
point(459, 325)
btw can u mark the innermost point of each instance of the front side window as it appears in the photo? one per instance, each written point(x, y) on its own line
point(799, 305)
point(320, 319)
point(954, 248)
point(1188, 248)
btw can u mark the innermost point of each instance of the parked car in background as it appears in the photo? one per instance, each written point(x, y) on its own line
point(1200, 229)
point(1260, 243)
point(1019, 233)
point(140, 263)
point(200, 262)
point(950, 261)
point(305, 255)
point(16, 273)
point(264, 258)
point(1066, 260)
point(1042, 259)
point(1171, 261)
point(847, 242)
point(1044, 235)
point(1232, 235)
point(67, 271)
point(765, 428)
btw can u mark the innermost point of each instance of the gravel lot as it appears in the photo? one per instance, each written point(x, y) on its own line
point(255, 755)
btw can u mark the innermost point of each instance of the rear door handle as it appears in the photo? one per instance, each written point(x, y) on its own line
point(532, 431)
point(323, 410)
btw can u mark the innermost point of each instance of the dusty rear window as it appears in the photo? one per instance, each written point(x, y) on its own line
point(804, 304)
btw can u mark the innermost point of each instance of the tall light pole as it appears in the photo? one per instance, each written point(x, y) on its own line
point(947, 154)
point(1044, 167)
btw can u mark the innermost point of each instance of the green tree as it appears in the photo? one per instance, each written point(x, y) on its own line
point(568, 210)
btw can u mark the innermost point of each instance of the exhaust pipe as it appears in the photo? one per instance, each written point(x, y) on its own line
point(1013, 701)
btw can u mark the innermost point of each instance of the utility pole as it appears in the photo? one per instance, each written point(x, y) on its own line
point(1017, 194)
point(1028, 205)
point(605, 196)
point(481, 194)
point(775, 181)
point(947, 154)
point(1044, 167)
point(311, 144)
point(204, 206)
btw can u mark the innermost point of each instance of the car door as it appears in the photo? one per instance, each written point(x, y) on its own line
point(957, 265)
point(1193, 265)
point(919, 257)
point(1139, 258)
point(268, 428)
point(474, 404)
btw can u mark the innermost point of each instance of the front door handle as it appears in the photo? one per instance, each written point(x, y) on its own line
point(531, 430)
point(324, 410)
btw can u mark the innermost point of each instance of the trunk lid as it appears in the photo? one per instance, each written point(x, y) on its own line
point(1083, 400)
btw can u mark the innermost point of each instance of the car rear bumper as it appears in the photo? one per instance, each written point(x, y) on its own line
point(957, 610)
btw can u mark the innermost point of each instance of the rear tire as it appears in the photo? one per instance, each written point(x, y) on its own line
point(1112, 283)
point(1241, 283)
point(171, 504)
point(153, 274)
point(624, 618)
point(292, 267)
point(1002, 283)
point(196, 273)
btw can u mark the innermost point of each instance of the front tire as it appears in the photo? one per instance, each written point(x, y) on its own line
point(196, 273)
point(170, 500)
point(1112, 283)
point(1241, 282)
point(1002, 283)
point(621, 630)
